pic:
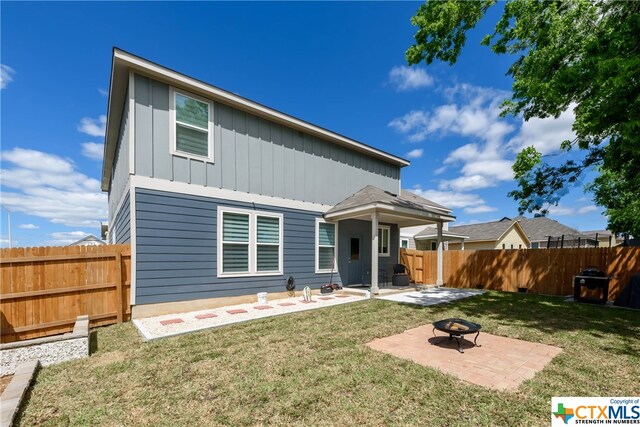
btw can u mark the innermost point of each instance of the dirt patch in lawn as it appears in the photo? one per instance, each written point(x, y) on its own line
point(4, 382)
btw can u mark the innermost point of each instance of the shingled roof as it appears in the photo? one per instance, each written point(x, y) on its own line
point(372, 195)
point(482, 232)
point(540, 228)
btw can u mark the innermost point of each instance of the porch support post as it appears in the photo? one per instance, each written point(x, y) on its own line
point(439, 280)
point(374, 253)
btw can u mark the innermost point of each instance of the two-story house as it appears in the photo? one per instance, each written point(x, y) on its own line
point(220, 196)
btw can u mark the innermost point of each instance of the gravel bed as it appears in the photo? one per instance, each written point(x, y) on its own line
point(181, 323)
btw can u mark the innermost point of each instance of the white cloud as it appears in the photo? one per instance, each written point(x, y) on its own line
point(50, 187)
point(28, 226)
point(415, 154)
point(6, 75)
point(103, 92)
point(587, 209)
point(480, 209)
point(561, 210)
point(472, 113)
point(66, 237)
point(93, 150)
point(409, 78)
point(414, 123)
point(93, 127)
point(545, 135)
point(450, 199)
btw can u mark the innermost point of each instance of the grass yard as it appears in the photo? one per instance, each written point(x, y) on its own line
point(312, 368)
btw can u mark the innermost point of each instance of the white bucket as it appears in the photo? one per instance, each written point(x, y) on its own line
point(262, 297)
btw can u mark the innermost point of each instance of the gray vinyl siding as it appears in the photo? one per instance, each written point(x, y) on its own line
point(120, 171)
point(176, 247)
point(357, 227)
point(253, 155)
point(122, 222)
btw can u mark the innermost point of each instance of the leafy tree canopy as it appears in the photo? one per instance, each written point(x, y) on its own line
point(576, 54)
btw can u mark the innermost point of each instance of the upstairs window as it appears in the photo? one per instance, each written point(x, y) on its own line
point(404, 243)
point(192, 126)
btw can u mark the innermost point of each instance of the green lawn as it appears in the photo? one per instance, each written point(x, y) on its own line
point(313, 368)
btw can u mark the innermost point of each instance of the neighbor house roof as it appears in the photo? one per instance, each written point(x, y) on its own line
point(123, 62)
point(371, 195)
point(600, 233)
point(540, 228)
point(484, 231)
point(87, 239)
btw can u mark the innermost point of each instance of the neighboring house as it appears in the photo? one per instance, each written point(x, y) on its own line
point(543, 231)
point(427, 239)
point(503, 234)
point(605, 238)
point(220, 196)
point(89, 240)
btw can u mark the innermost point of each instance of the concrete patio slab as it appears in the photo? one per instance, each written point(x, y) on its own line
point(431, 296)
point(518, 360)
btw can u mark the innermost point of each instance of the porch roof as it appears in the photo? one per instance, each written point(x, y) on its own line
point(405, 209)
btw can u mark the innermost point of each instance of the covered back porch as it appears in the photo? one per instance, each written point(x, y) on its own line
point(368, 229)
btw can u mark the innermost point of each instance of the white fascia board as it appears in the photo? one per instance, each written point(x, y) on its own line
point(215, 93)
point(221, 193)
point(384, 208)
point(435, 236)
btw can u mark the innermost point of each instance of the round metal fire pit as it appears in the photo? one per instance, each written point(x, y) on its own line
point(457, 328)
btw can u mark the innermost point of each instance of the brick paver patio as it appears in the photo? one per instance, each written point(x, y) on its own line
point(501, 363)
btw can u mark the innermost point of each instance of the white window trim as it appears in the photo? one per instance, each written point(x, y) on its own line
point(253, 243)
point(388, 253)
point(317, 247)
point(172, 123)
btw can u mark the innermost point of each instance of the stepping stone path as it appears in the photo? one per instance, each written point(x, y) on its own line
point(179, 323)
point(170, 321)
point(206, 316)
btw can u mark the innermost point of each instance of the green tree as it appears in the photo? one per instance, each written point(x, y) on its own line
point(567, 53)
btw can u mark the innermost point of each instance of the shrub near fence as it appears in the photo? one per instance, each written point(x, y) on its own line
point(541, 271)
point(45, 289)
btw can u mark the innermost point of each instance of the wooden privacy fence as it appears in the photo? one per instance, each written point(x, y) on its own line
point(541, 271)
point(44, 289)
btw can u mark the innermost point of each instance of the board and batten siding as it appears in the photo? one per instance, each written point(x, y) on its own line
point(253, 155)
point(362, 229)
point(121, 224)
point(120, 171)
point(176, 246)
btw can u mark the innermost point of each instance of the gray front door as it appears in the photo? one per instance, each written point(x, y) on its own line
point(355, 260)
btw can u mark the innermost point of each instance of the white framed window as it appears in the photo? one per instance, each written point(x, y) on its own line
point(249, 243)
point(326, 246)
point(191, 121)
point(404, 243)
point(384, 236)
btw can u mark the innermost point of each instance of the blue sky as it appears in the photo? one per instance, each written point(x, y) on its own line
point(338, 65)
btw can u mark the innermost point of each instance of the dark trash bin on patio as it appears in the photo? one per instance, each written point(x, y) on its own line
point(400, 275)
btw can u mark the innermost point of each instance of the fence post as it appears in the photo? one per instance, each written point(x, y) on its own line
point(119, 284)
